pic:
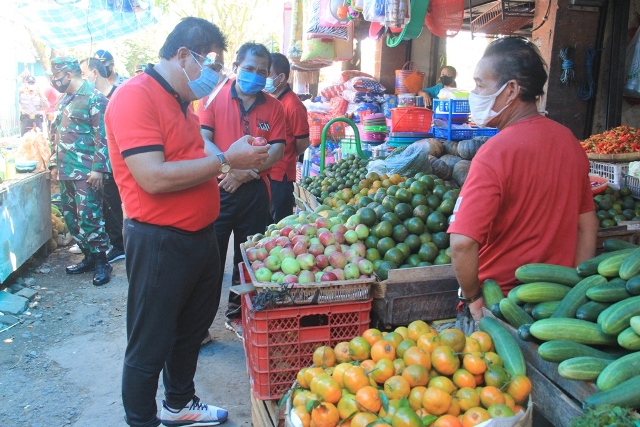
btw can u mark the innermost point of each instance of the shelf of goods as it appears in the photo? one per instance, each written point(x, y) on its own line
point(456, 112)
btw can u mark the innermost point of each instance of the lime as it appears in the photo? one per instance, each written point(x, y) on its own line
point(383, 268)
point(628, 203)
point(427, 253)
point(441, 240)
point(364, 201)
point(425, 264)
point(413, 242)
point(414, 260)
point(628, 214)
point(383, 229)
point(436, 222)
point(425, 238)
point(438, 181)
point(367, 216)
point(607, 223)
point(400, 233)
point(451, 194)
point(418, 187)
point(439, 190)
point(381, 210)
point(418, 200)
point(403, 210)
point(603, 215)
point(403, 195)
point(406, 250)
point(371, 241)
point(379, 196)
point(429, 180)
point(372, 254)
point(392, 218)
point(619, 217)
point(422, 212)
point(415, 226)
point(625, 191)
point(442, 259)
point(390, 202)
point(385, 244)
point(394, 255)
point(447, 205)
point(433, 201)
point(391, 191)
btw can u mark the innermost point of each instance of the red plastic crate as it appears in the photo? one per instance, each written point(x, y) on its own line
point(411, 119)
point(279, 342)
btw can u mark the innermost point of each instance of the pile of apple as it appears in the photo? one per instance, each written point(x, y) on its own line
point(302, 252)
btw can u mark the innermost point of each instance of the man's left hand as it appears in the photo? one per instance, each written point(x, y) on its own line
point(229, 183)
point(244, 175)
point(95, 180)
point(476, 309)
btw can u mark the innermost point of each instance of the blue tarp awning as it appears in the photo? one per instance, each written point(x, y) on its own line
point(85, 21)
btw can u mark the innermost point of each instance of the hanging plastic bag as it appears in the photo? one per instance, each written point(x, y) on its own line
point(373, 10)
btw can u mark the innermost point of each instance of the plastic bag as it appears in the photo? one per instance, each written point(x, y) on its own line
point(411, 160)
point(373, 10)
point(634, 169)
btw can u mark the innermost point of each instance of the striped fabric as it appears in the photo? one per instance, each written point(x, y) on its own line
point(84, 22)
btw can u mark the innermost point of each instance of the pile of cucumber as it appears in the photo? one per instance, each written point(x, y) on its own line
point(586, 319)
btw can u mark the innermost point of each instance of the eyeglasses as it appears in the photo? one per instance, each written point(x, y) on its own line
point(210, 61)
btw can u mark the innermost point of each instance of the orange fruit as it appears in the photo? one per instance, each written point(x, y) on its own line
point(314, 381)
point(325, 415)
point(300, 377)
point(359, 349)
point(368, 399)
point(475, 416)
point(372, 336)
point(468, 398)
point(508, 400)
point(519, 388)
point(354, 379)
point(382, 371)
point(347, 405)
point(496, 376)
point(403, 346)
point(402, 330)
point(518, 408)
point(454, 409)
point(453, 338)
point(399, 366)
point(341, 351)
point(491, 395)
point(416, 375)
point(324, 357)
point(492, 358)
point(416, 329)
point(444, 360)
point(436, 401)
point(396, 387)
point(444, 383)
point(483, 338)
point(415, 397)
point(368, 366)
point(328, 390)
point(417, 356)
point(422, 413)
point(405, 417)
point(428, 341)
point(383, 349)
point(338, 372)
point(479, 379)
point(310, 373)
point(447, 421)
point(474, 363)
point(463, 378)
point(471, 345)
point(394, 338)
point(305, 417)
point(362, 419)
point(300, 399)
point(392, 407)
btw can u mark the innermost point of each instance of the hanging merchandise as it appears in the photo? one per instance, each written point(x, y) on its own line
point(567, 54)
point(373, 10)
point(316, 30)
point(397, 13)
point(413, 29)
point(344, 48)
point(588, 86)
point(297, 18)
point(409, 79)
point(334, 12)
point(318, 49)
point(444, 17)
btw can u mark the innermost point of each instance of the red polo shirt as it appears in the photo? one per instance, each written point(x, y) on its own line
point(295, 114)
point(229, 121)
point(146, 115)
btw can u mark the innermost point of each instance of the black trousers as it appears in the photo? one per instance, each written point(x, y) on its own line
point(27, 123)
point(245, 212)
point(174, 294)
point(282, 201)
point(112, 211)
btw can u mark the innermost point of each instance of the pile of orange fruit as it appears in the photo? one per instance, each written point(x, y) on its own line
point(411, 377)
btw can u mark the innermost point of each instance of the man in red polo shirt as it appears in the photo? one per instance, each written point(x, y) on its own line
point(283, 173)
point(171, 200)
point(241, 108)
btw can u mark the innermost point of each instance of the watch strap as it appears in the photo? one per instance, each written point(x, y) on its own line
point(474, 298)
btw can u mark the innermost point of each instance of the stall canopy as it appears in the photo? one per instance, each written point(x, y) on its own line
point(68, 23)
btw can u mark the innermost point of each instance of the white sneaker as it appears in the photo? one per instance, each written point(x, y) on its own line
point(194, 414)
point(75, 249)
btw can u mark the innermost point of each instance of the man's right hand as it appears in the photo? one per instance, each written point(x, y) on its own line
point(242, 155)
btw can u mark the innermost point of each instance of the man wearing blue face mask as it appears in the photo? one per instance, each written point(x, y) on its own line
point(241, 108)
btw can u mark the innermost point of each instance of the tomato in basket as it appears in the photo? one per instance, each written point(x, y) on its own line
point(598, 183)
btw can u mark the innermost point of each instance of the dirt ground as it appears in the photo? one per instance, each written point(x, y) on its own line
point(62, 365)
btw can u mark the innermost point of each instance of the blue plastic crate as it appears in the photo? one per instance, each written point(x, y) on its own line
point(458, 107)
point(465, 133)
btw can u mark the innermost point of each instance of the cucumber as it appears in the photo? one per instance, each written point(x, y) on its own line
point(625, 394)
point(610, 267)
point(544, 310)
point(616, 318)
point(558, 350)
point(582, 368)
point(591, 310)
point(528, 307)
point(491, 292)
point(572, 330)
point(529, 273)
point(611, 245)
point(577, 296)
point(614, 291)
point(524, 333)
point(512, 295)
point(631, 265)
point(541, 292)
point(629, 339)
point(514, 314)
point(619, 371)
point(495, 310)
point(633, 285)
point(590, 266)
point(635, 324)
point(506, 346)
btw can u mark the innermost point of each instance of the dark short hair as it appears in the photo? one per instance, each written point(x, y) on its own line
point(253, 48)
point(96, 64)
point(450, 67)
point(195, 34)
point(516, 58)
point(280, 64)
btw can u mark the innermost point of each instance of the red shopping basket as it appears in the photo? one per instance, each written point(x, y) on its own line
point(411, 119)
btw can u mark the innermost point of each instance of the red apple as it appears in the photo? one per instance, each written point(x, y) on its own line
point(306, 261)
point(290, 278)
point(359, 248)
point(270, 244)
point(289, 245)
point(323, 222)
point(300, 238)
point(328, 277)
point(349, 254)
point(292, 234)
point(339, 228)
point(251, 254)
point(327, 238)
point(255, 265)
point(306, 276)
point(282, 240)
point(261, 254)
point(285, 230)
point(339, 237)
point(308, 230)
point(337, 260)
point(300, 248)
point(322, 261)
point(316, 249)
point(277, 277)
point(339, 273)
point(259, 142)
point(286, 253)
point(343, 248)
point(331, 249)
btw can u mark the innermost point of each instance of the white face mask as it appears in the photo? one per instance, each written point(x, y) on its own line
point(481, 107)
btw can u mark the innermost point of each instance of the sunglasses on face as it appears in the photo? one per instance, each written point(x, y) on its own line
point(210, 61)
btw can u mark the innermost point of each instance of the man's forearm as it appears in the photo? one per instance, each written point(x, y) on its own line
point(464, 259)
point(587, 237)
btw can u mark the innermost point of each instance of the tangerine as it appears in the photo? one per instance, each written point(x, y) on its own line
point(300, 399)
point(474, 363)
point(444, 383)
point(468, 398)
point(359, 349)
point(396, 387)
point(483, 338)
point(402, 330)
point(447, 421)
point(496, 376)
point(372, 336)
point(303, 415)
point(471, 345)
point(341, 351)
point(394, 338)
point(403, 346)
point(368, 366)
point(300, 377)
point(475, 416)
point(508, 400)
point(417, 356)
point(415, 397)
point(405, 417)
point(399, 366)
point(382, 371)
point(444, 360)
point(368, 399)
point(429, 341)
point(492, 358)
point(325, 415)
point(416, 375)
point(354, 379)
point(363, 419)
point(392, 408)
point(347, 405)
point(314, 381)
point(328, 390)
point(463, 378)
point(519, 388)
point(454, 409)
point(324, 357)
point(311, 373)
point(479, 379)
point(416, 329)
point(338, 372)
point(453, 338)
point(491, 395)
point(436, 401)
point(383, 349)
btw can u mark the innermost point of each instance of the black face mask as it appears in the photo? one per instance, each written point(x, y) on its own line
point(446, 80)
point(59, 86)
point(109, 70)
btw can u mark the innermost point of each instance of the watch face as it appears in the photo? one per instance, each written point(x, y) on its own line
point(225, 168)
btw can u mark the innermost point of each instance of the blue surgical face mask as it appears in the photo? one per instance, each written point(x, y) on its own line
point(203, 85)
point(92, 84)
point(269, 87)
point(251, 83)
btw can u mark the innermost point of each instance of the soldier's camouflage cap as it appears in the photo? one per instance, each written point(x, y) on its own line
point(62, 63)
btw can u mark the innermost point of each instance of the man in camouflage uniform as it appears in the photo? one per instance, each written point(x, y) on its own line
point(80, 159)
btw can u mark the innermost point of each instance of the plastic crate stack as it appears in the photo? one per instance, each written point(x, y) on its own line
point(374, 129)
point(613, 172)
point(633, 184)
point(455, 116)
point(408, 125)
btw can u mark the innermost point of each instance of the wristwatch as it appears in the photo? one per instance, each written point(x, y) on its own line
point(225, 167)
point(474, 298)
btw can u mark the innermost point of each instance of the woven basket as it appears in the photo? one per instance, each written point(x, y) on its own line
point(407, 70)
point(379, 290)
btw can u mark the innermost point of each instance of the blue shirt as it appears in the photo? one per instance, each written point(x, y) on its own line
point(434, 90)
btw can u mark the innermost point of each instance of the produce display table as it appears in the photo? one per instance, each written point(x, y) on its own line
point(628, 233)
point(556, 398)
point(25, 219)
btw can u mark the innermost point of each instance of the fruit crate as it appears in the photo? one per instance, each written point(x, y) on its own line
point(633, 184)
point(279, 342)
point(463, 133)
point(411, 119)
point(612, 171)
